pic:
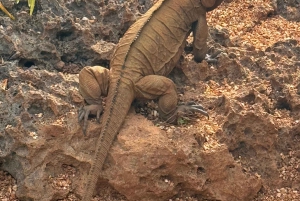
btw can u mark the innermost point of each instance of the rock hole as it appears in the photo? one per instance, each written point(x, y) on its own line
point(162, 167)
point(242, 144)
point(107, 38)
point(242, 150)
point(208, 181)
point(14, 93)
point(166, 178)
point(200, 170)
point(282, 103)
point(250, 99)
point(64, 35)
point(179, 185)
point(26, 63)
point(35, 109)
point(44, 53)
point(248, 131)
point(142, 179)
point(208, 78)
point(65, 59)
point(231, 166)
point(231, 129)
point(270, 14)
point(101, 62)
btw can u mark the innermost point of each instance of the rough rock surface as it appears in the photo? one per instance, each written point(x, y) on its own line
point(44, 149)
point(67, 32)
point(175, 160)
point(250, 144)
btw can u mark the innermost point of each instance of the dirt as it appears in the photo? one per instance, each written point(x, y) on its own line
point(252, 91)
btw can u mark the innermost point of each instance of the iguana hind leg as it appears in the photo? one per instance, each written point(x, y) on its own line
point(93, 85)
point(155, 86)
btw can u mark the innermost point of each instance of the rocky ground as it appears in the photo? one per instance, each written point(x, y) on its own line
point(249, 148)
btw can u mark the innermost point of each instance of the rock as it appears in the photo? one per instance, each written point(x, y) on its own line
point(194, 71)
point(252, 96)
point(43, 148)
point(289, 10)
point(104, 49)
point(64, 32)
point(174, 162)
point(230, 68)
point(35, 113)
point(220, 35)
point(252, 135)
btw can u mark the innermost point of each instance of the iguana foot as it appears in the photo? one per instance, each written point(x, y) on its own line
point(85, 111)
point(213, 58)
point(185, 110)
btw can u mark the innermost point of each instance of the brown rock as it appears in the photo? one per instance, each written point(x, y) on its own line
point(44, 149)
point(147, 163)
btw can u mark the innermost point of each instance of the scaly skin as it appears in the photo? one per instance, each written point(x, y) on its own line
point(147, 53)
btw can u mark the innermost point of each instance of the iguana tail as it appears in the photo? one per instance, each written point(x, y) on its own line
point(120, 97)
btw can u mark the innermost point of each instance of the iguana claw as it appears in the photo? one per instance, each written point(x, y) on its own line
point(85, 111)
point(185, 110)
point(190, 108)
point(213, 58)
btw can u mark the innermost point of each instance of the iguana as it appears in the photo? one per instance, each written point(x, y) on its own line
point(146, 53)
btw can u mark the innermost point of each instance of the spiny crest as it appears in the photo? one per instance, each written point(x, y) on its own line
point(138, 33)
point(123, 67)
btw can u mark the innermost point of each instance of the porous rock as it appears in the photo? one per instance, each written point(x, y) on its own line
point(151, 164)
point(43, 148)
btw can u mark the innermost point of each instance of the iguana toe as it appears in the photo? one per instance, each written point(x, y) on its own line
point(213, 58)
point(183, 111)
point(84, 113)
point(191, 108)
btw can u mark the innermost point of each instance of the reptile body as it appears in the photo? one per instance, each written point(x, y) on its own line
point(147, 53)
